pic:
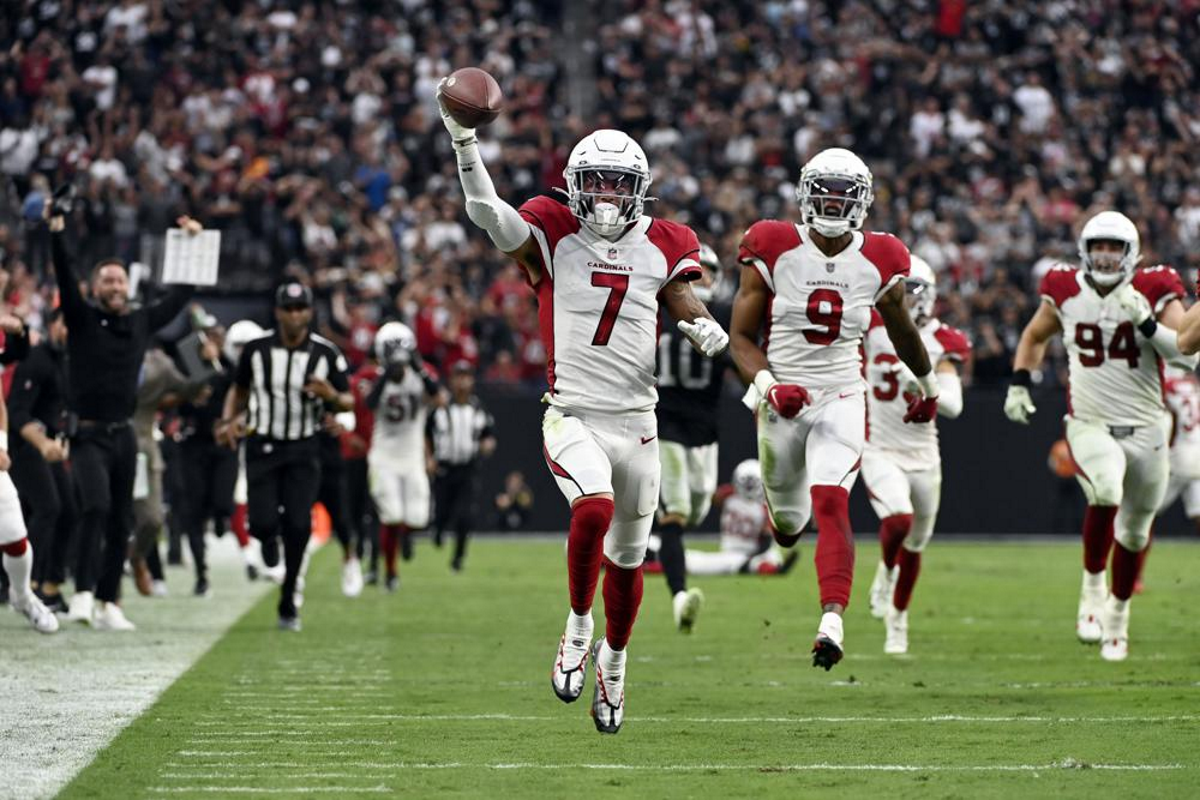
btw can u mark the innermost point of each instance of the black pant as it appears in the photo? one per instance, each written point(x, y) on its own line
point(209, 473)
point(454, 503)
point(51, 510)
point(282, 482)
point(104, 460)
point(360, 509)
point(333, 496)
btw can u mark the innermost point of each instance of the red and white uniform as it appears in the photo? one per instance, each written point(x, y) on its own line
point(743, 536)
point(1117, 425)
point(396, 459)
point(818, 313)
point(902, 466)
point(598, 313)
point(1183, 400)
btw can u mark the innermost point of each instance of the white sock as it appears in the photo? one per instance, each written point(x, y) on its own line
point(19, 569)
point(612, 662)
point(831, 626)
point(1093, 583)
point(580, 626)
point(1118, 606)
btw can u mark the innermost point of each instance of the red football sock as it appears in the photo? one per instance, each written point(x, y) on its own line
point(892, 531)
point(238, 523)
point(1126, 566)
point(1097, 536)
point(910, 568)
point(622, 597)
point(15, 549)
point(590, 518)
point(389, 545)
point(835, 544)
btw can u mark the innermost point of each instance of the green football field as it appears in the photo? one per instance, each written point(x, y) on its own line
point(442, 689)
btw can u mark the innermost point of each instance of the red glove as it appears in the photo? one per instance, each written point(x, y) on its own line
point(788, 399)
point(921, 409)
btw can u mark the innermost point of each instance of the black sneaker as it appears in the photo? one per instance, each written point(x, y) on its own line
point(202, 588)
point(456, 565)
point(291, 624)
point(371, 578)
point(54, 602)
point(393, 583)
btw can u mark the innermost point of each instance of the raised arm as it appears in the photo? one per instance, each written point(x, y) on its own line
point(1031, 350)
point(72, 302)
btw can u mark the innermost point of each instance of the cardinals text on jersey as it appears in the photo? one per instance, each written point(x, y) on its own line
point(913, 447)
point(1116, 376)
point(598, 304)
point(820, 306)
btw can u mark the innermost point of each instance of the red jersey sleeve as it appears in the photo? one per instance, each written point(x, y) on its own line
point(764, 243)
point(955, 344)
point(550, 222)
point(1059, 285)
point(1160, 285)
point(890, 257)
point(679, 245)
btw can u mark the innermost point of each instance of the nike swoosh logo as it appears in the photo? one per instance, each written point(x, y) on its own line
point(651, 439)
point(845, 395)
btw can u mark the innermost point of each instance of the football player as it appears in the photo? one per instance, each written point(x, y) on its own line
point(1118, 324)
point(396, 461)
point(901, 467)
point(1183, 401)
point(689, 399)
point(809, 289)
point(600, 269)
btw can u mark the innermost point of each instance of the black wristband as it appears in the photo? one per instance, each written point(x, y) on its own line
point(1021, 377)
point(1148, 327)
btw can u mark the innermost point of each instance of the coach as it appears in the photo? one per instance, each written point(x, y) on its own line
point(105, 349)
point(288, 379)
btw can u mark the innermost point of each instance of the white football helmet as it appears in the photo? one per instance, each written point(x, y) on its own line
point(1110, 269)
point(604, 166)
point(747, 480)
point(712, 272)
point(834, 192)
point(239, 333)
point(395, 344)
point(921, 286)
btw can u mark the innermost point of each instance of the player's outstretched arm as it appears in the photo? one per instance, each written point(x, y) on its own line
point(694, 319)
point(496, 217)
point(1031, 350)
point(1188, 337)
point(1160, 331)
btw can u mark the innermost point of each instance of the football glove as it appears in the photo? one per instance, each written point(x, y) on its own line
point(458, 132)
point(787, 399)
point(706, 334)
point(1018, 405)
point(921, 409)
point(1134, 304)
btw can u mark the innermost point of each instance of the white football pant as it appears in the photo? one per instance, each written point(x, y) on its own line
point(400, 492)
point(589, 452)
point(893, 490)
point(12, 522)
point(689, 478)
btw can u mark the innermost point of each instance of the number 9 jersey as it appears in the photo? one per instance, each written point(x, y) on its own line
point(820, 306)
point(1116, 376)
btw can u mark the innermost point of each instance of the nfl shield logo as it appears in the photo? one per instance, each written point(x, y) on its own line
point(613, 253)
point(829, 266)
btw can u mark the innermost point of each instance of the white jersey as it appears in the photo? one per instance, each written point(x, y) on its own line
point(1183, 399)
point(398, 436)
point(1115, 374)
point(598, 305)
point(742, 524)
point(820, 305)
point(913, 447)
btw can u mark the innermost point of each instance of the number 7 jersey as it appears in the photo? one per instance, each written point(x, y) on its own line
point(1115, 374)
point(598, 304)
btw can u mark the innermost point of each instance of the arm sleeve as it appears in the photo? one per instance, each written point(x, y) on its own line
point(950, 394)
point(485, 208)
point(73, 304)
point(1166, 343)
point(165, 309)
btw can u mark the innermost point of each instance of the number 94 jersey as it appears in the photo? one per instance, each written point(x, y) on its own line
point(820, 306)
point(1116, 376)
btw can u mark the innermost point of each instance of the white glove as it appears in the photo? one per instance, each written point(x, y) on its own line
point(457, 132)
point(1134, 304)
point(1018, 405)
point(706, 334)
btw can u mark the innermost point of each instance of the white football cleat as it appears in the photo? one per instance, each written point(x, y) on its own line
point(83, 604)
point(570, 664)
point(1087, 622)
point(895, 643)
point(881, 590)
point(159, 589)
point(687, 607)
point(827, 649)
point(608, 698)
point(110, 617)
point(1115, 620)
point(352, 578)
point(41, 618)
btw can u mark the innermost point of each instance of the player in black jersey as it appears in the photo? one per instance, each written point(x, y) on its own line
point(689, 394)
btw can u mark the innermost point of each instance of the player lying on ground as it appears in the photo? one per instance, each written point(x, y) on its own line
point(1118, 325)
point(808, 290)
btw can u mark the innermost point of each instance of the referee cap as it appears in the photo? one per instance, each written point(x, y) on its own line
point(293, 294)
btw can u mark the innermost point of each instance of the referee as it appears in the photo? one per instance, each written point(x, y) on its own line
point(288, 379)
point(107, 343)
point(459, 434)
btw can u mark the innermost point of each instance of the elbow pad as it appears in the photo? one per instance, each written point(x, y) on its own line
point(950, 398)
point(484, 207)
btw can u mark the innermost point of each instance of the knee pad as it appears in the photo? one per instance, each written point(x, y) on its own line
point(830, 501)
point(626, 556)
point(593, 515)
point(1102, 489)
point(919, 536)
point(701, 503)
point(1133, 530)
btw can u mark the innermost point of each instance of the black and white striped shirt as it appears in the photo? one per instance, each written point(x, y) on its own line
point(274, 376)
point(456, 430)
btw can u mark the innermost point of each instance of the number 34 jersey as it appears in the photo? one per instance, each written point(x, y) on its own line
point(820, 306)
point(598, 304)
point(1116, 377)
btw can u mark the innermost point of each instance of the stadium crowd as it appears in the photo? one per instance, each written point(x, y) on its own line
point(308, 133)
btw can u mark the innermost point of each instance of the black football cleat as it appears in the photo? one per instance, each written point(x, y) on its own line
point(789, 561)
point(825, 652)
point(608, 698)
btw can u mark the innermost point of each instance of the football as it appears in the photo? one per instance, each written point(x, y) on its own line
point(472, 97)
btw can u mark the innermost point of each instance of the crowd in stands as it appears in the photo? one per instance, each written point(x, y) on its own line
point(307, 132)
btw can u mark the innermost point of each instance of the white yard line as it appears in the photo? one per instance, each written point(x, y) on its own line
point(335, 790)
point(301, 725)
point(66, 696)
